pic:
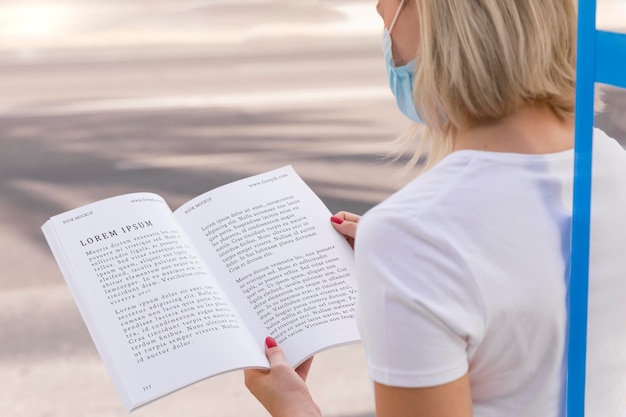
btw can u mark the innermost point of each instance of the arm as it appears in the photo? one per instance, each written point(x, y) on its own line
point(418, 310)
point(282, 390)
point(447, 400)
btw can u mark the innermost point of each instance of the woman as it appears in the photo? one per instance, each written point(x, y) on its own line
point(462, 274)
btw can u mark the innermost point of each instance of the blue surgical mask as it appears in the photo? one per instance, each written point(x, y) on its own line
point(400, 78)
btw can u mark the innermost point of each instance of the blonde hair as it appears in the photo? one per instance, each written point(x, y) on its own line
point(480, 60)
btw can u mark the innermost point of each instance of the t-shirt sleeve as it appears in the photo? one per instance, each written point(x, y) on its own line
point(418, 307)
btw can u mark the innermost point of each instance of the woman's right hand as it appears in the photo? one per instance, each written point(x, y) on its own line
point(345, 223)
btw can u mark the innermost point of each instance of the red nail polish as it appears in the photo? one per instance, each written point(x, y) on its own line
point(270, 342)
point(336, 219)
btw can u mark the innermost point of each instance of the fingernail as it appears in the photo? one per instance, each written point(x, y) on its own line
point(336, 219)
point(270, 342)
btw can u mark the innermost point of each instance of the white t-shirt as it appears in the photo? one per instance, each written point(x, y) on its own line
point(465, 270)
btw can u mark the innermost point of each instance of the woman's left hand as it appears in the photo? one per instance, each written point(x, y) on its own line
point(282, 390)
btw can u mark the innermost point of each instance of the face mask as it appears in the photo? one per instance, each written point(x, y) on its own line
point(400, 78)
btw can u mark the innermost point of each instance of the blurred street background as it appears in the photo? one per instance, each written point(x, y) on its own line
point(103, 97)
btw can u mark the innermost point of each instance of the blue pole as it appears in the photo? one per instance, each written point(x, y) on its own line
point(611, 58)
point(579, 276)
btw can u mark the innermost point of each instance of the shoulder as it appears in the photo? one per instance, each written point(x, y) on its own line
point(607, 151)
point(462, 179)
point(428, 189)
point(403, 246)
point(603, 141)
point(415, 291)
point(609, 176)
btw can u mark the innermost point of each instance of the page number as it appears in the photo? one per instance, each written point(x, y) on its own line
point(146, 387)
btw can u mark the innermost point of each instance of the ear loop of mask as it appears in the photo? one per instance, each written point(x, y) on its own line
point(395, 18)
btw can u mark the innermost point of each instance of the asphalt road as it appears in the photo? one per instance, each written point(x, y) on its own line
point(127, 100)
point(79, 124)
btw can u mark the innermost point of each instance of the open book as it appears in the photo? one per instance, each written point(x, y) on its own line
point(171, 298)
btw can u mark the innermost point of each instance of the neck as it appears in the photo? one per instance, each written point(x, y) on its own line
point(533, 129)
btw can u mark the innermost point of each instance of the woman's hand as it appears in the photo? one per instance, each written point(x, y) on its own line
point(282, 390)
point(345, 223)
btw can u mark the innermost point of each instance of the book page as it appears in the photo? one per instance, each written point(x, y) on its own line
point(269, 241)
point(155, 312)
